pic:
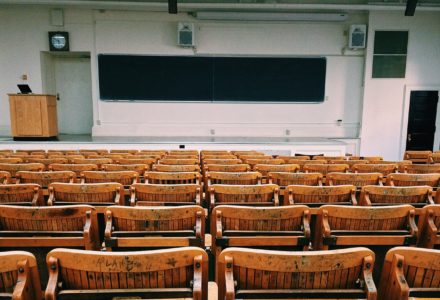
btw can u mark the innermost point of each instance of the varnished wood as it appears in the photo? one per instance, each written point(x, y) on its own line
point(125, 178)
point(365, 226)
point(240, 178)
point(329, 158)
point(264, 161)
point(48, 161)
point(253, 195)
point(429, 224)
point(130, 151)
point(288, 158)
point(284, 179)
point(222, 161)
point(154, 227)
point(19, 274)
point(410, 272)
point(434, 158)
point(324, 169)
point(14, 168)
point(165, 194)
point(183, 161)
point(176, 168)
point(422, 169)
point(285, 274)
point(418, 196)
point(139, 168)
point(11, 160)
point(172, 177)
point(384, 169)
point(368, 158)
point(60, 226)
point(418, 156)
point(349, 162)
point(77, 168)
point(264, 169)
point(403, 179)
point(44, 179)
point(136, 161)
point(302, 163)
point(5, 177)
point(145, 274)
point(95, 161)
point(357, 179)
point(400, 164)
point(320, 195)
point(21, 194)
point(227, 168)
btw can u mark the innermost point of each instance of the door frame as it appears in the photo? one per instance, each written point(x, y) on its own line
point(405, 114)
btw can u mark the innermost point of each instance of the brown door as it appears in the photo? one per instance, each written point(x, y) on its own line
point(421, 120)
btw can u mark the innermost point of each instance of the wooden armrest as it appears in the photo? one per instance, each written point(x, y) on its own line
point(132, 196)
point(218, 225)
point(367, 274)
point(197, 286)
point(229, 279)
point(52, 284)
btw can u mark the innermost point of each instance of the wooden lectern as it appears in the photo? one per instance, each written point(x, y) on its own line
point(33, 117)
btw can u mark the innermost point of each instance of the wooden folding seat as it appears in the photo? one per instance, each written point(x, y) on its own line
point(265, 169)
point(95, 151)
point(176, 168)
point(48, 161)
point(130, 151)
point(315, 196)
point(247, 152)
point(286, 227)
point(384, 169)
point(19, 155)
point(77, 168)
point(221, 161)
point(422, 169)
point(36, 152)
point(349, 226)
point(368, 158)
point(400, 164)
point(178, 152)
point(181, 156)
point(14, 168)
point(357, 179)
point(252, 195)
point(227, 168)
point(284, 179)
point(218, 156)
point(153, 152)
point(156, 157)
point(268, 274)
point(126, 178)
point(172, 178)
point(410, 273)
point(324, 169)
point(5, 177)
point(165, 194)
point(95, 161)
point(132, 228)
point(100, 195)
point(186, 161)
point(86, 154)
point(11, 160)
point(139, 168)
point(302, 163)
point(20, 278)
point(168, 273)
point(429, 224)
point(69, 157)
point(404, 179)
point(287, 158)
point(42, 227)
point(417, 196)
point(271, 161)
point(329, 158)
point(434, 158)
point(21, 194)
point(350, 163)
point(418, 156)
point(114, 157)
point(240, 178)
point(50, 151)
point(44, 179)
point(137, 161)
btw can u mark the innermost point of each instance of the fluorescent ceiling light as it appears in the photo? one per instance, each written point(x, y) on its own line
point(264, 16)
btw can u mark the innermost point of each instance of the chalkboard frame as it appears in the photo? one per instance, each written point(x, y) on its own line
point(323, 58)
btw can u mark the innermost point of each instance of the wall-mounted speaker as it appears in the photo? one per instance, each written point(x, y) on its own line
point(185, 34)
point(357, 37)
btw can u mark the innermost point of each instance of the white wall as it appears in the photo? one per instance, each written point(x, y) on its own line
point(384, 98)
point(155, 33)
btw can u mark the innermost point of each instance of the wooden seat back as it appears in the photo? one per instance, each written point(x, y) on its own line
point(429, 227)
point(404, 179)
point(69, 158)
point(165, 194)
point(329, 158)
point(21, 194)
point(136, 161)
point(222, 161)
point(264, 274)
point(153, 152)
point(95, 161)
point(169, 273)
point(48, 161)
point(20, 278)
point(77, 168)
point(14, 168)
point(182, 161)
point(264, 169)
point(123, 177)
point(227, 168)
point(400, 164)
point(178, 152)
point(418, 196)
point(357, 179)
point(239, 178)
point(11, 160)
point(302, 163)
point(284, 179)
point(218, 156)
point(154, 227)
point(422, 169)
point(263, 161)
point(245, 157)
point(96, 194)
point(138, 168)
point(172, 177)
point(114, 157)
point(367, 158)
point(349, 162)
point(434, 158)
point(365, 226)
point(384, 169)
point(61, 226)
point(5, 177)
point(181, 156)
point(176, 168)
point(320, 195)
point(418, 156)
point(410, 272)
point(256, 227)
point(288, 158)
point(324, 169)
point(156, 157)
point(44, 179)
point(254, 195)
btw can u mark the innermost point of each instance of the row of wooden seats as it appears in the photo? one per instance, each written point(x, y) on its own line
point(243, 274)
point(424, 157)
point(101, 194)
